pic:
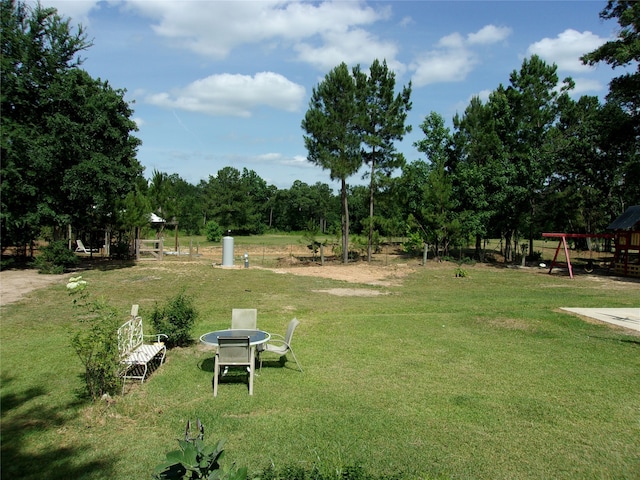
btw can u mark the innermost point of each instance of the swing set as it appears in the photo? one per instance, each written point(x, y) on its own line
point(562, 243)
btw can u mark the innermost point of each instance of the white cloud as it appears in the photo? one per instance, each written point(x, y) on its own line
point(77, 10)
point(451, 61)
point(454, 58)
point(322, 34)
point(215, 28)
point(234, 95)
point(454, 40)
point(269, 157)
point(297, 161)
point(354, 47)
point(483, 95)
point(587, 86)
point(406, 21)
point(566, 49)
point(488, 34)
point(443, 66)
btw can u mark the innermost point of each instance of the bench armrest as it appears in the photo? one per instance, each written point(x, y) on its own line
point(157, 336)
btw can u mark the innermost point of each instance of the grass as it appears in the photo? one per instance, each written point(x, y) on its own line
point(475, 377)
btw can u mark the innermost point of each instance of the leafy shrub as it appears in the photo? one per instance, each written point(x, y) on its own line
point(56, 258)
point(120, 249)
point(461, 272)
point(213, 231)
point(414, 244)
point(175, 319)
point(310, 237)
point(96, 342)
point(534, 257)
point(376, 242)
point(358, 247)
point(6, 263)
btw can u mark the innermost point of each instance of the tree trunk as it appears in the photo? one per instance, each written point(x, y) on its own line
point(345, 223)
point(507, 247)
point(371, 188)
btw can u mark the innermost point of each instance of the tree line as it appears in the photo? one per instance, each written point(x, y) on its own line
point(531, 158)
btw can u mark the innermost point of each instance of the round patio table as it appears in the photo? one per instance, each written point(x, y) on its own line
point(256, 337)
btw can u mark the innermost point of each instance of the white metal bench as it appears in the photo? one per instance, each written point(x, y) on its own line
point(135, 354)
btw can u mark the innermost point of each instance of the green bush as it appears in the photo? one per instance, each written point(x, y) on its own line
point(6, 263)
point(213, 231)
point(121, 249)
point(534, 257)
point(56, 258)
point(414, 244)
point(461, 272)
point(175, 319)
point(96, 341)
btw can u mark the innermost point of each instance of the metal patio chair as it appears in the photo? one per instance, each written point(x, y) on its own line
point(282, 344)
point(244, 319)
point(233, 352)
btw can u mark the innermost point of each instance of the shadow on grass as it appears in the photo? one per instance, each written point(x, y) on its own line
point(632, 341)
point(103, 264)
point(207, 365)
point(138, 371)
point(234, 374)
point(55, 461)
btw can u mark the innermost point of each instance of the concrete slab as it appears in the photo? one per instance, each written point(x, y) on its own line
point(623, 317)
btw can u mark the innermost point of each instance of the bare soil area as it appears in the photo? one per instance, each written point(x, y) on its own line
point(14, 284)
point(364, 273)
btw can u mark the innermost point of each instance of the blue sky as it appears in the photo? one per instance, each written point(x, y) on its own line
point(227, 83)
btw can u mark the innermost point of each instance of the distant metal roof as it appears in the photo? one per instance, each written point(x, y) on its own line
point(627, 220)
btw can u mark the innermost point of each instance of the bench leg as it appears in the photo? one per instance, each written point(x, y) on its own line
point(144, 374)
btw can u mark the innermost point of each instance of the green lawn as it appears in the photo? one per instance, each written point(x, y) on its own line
point(475, 377)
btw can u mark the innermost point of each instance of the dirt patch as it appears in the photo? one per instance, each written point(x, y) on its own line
point(352, 292)
point(367, 274)
point(14, 284)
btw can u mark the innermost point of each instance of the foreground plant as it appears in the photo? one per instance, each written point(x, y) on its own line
point(96, 342)
point(195, 460)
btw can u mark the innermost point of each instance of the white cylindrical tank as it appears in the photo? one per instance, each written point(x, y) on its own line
point(227, 251)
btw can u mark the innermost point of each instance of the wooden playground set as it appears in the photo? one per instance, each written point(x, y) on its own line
point(626, 245)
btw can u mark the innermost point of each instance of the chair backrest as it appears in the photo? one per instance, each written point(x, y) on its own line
point(130, 336)
point(244, 319)
point(290, 329)
point(234, 351)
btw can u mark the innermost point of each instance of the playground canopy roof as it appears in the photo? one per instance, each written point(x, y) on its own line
point(153, 218)
point(627, 220)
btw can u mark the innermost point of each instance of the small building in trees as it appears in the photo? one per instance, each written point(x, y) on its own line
point(626, 229)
